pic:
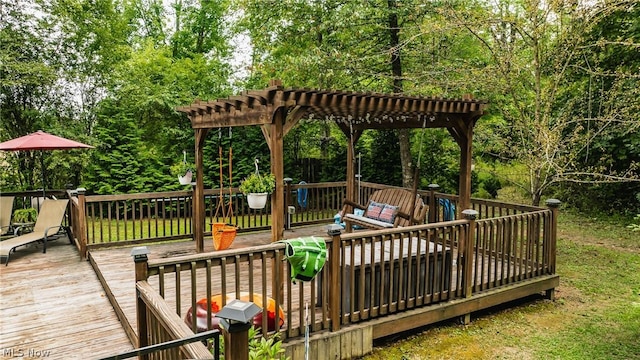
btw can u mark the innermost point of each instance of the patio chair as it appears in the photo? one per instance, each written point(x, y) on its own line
point(48, 226)
point(6, 209)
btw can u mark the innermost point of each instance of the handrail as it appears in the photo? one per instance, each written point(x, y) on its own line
point(171, 324)
point(215, 334)
point(127, 219)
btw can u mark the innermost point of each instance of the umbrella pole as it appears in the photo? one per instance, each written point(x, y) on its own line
point(44, 196)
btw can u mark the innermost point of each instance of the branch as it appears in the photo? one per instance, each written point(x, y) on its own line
point(595, 178)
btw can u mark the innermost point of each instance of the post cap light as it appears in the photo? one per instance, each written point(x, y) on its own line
point(553, 203)
point(238, 311)
point(140, 253)
point(470, 214)
point(334, 229)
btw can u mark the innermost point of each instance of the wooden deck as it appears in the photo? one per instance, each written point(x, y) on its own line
point(57, 305)
point(116, 267)
point(52, 305)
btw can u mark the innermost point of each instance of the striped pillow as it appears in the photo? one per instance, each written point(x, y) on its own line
point(374, 210)
point(388, 213)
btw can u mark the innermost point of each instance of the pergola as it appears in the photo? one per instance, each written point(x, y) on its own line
point(277, 110)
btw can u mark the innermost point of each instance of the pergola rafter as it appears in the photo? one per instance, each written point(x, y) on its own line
point(278, 110)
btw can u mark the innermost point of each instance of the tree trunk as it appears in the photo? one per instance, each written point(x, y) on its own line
point(396, 69)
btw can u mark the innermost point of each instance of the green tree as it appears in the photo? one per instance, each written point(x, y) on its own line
point(534, 49)
point(33, 96)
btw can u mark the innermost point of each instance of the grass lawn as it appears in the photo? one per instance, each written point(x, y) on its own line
point(596, 314)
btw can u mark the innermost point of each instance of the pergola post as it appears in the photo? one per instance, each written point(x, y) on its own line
point(465, 171)
point(351, 176)
point(198, 192)
point(277, 168)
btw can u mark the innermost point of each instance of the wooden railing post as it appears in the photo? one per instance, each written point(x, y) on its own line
point(433, 205)
point(335, 295)
point(553, 205)
point(236, 342)
point(468, 241)
point(140, 258)
point(81, 226)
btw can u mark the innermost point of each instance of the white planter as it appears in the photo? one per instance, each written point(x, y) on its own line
point(257, 200)
point(186, 179)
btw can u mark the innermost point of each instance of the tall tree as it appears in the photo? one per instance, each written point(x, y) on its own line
point(33, 94)
point(534, 47)
point(350, 45)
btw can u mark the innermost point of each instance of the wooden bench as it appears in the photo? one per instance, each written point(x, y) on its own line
point(404, 200)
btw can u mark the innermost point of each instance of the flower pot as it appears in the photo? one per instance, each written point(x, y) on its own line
point(257, 200)
point(186, 179)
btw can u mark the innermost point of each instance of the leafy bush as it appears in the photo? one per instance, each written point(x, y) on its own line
point(261, 348)
point(256, 183)
point(181, 168)
point(635, 227)
point(25, 215)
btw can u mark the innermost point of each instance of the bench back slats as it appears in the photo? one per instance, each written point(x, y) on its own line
point(403, 199)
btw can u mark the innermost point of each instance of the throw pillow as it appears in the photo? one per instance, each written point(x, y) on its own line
point(388, 213)
point(374, 210)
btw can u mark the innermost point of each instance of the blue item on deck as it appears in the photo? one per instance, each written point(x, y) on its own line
point(302, 195)
point(337, 218)
point(448, 209)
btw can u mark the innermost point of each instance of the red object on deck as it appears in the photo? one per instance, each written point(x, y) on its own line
point(216, 305)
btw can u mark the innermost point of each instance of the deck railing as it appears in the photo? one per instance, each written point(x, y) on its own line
point(389, 271)
point(161, 325)
point(512, 248)
point(247, 273)
point(128, 219)
point(116, 220)
point(368, 274)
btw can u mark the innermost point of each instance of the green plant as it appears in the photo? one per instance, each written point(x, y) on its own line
point(181, 168)
point(256, 183)
point(261, 348)
point(25, 215)
point(635, 227)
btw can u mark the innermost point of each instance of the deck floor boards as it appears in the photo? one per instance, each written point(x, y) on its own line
point(53, 304)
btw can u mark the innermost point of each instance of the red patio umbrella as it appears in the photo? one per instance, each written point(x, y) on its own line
point(41, 140)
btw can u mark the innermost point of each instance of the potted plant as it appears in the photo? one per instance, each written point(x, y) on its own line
point(184, 171)
point(257, 187)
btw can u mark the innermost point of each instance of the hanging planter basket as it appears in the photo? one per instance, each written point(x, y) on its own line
point(257, 187)
point(183, 170)
point(186, 179)
point(257, 200)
